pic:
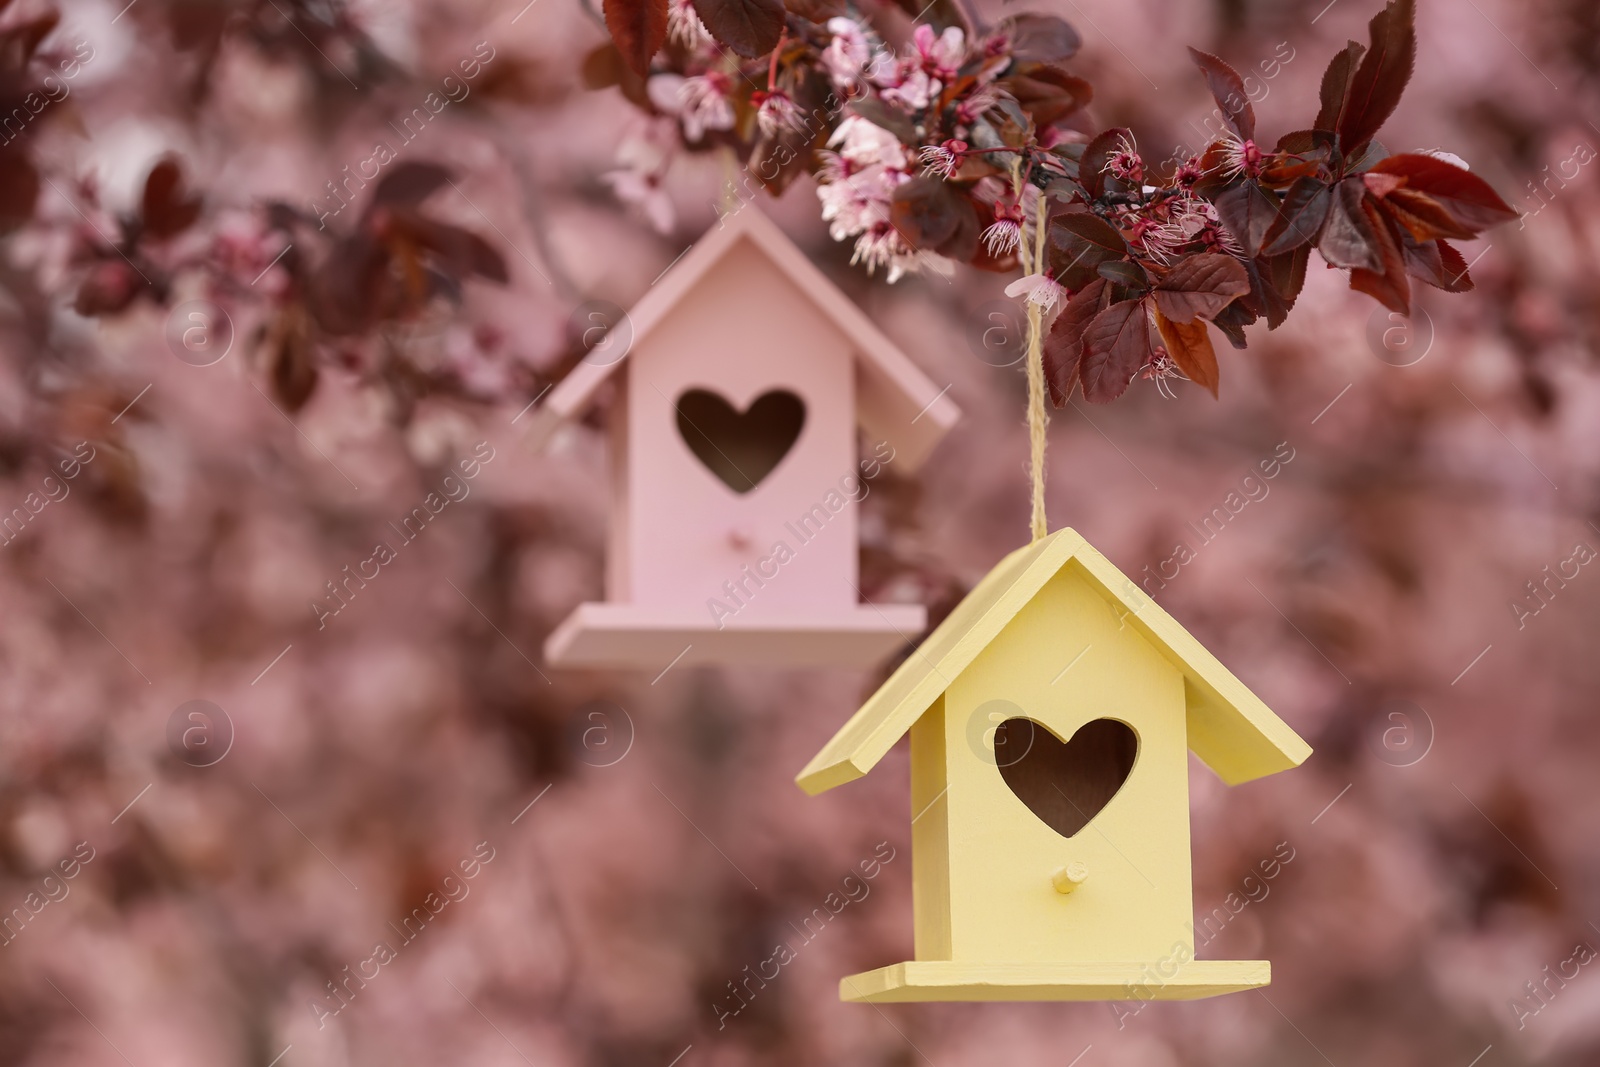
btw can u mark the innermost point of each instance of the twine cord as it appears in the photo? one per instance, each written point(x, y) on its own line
point(1032, 255)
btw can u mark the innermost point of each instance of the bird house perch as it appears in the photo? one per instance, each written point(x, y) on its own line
point(1051, 716)
point(736, 463)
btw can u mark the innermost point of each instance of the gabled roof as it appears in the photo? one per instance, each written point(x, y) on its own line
point(894, 399)
point(1229, 728)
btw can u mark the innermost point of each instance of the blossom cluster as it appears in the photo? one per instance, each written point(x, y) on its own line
point(965, 146)
point(940, 93)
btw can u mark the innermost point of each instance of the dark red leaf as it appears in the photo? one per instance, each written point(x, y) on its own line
point(1125, 273)
point(1370, 155)
point(777, 161)
point(639, 27)
point(1280, 172)
point(1347, 239)
point(1201, 286)
point(1438, 264)
point(166, 211)
point(933, 216)
point(1096, 155)
point(23, 40)
point(963, 245)
point(1116, 343)
point(291, 367)
point(1079, 230)
point(196, 23)
point(1456, 278)
point(1048, 93)
point(19, 189)
point(750, 28)
point(1336, 85)
point(1424, 217)
point(1319, 143)
point(1468, 199)
point(409, 184)
point(1302, 153)
point(1063, 345)
point(1233, 319)
point(461, 252)
point(1228, 89)
point(1041, 38)
point(1189, 345)
point(1375, 90)
point(818, 11)
point(1388, 284)
point(923, 213)
point(1247, 211)
point(604, 67)
point(1280, 279)
point(938, 14)
point(1079, 243)
point(347, 294)
point(1300, 218)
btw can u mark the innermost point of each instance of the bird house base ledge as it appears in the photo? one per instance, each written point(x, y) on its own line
point(941, 980)
point(630, 635)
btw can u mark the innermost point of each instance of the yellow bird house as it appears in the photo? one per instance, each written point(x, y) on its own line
point(1051, 716)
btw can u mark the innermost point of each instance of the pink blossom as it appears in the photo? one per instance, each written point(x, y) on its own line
point(777, 112)
point(642, 192)
point(1189, 173)
point(858, 201)
point(649, 148)
point(848, 53)
point(701, 103)
point(1002, 237)
point(882, 246)
point(246, 250)
point(684, 26)
point(940, 56)
point(865, 144)
point(857, 189)
point(1039, 289)
point(1160, 368)
point(915, 82)
point(943, 159)
point(972, 107)
point(1189, 220)
point(1126, 163)
point(1240, 157)
point(914, 90)
point(642, 159)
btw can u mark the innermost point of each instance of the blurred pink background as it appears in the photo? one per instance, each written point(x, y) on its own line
point(1442, 835)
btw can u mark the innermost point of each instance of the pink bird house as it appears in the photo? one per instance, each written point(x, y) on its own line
point(751, 405)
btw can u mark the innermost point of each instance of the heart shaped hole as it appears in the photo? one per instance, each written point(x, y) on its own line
point(1065, 783)
point(740, 447)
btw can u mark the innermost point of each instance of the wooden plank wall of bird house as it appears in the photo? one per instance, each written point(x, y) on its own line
point(740, 433)
point(1068, 791)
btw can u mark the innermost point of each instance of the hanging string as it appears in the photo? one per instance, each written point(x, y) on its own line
point(1032, 255)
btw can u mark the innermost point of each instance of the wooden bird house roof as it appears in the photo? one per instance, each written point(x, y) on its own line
point(894, 399)
point(1229, 728)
